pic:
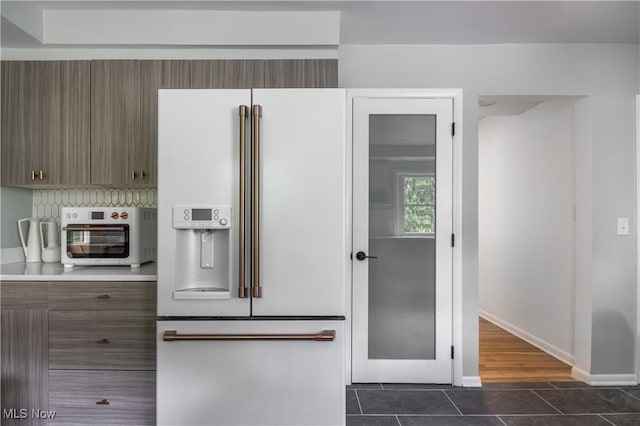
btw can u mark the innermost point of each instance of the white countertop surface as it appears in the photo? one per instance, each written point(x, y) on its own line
point(23, 271)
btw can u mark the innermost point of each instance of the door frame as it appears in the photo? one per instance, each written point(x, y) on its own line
point(456, 333)
point(637, 235)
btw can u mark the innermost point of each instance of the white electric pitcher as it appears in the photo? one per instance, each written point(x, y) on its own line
point(32, 248)
point(49, 242)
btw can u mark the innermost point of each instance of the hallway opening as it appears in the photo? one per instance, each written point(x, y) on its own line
point(505, 357)
point(529, 201)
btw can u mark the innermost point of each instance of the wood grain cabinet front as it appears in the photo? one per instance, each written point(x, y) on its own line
point(102, 397)
point(134, 296)
point(301, 73)
point(102, 352)
point(45, 123)
point(227, 74)
point(79, 123)
point(124, 117)
point(115, 120)
point(156, 75)
point(102, 340)
point(23, 341)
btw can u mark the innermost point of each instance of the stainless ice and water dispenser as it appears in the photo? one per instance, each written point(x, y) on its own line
point(203, 252)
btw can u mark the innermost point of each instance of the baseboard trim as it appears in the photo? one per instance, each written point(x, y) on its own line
point(471, 381)
point(555, 352)
point(11, 255)
point(604, 379)
point(613, 380)
point(580, 375)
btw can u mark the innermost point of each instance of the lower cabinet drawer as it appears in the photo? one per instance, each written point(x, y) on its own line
point(102, 397)
point(102, 340)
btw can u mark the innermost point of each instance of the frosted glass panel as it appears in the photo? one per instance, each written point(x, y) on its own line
point(401, 234)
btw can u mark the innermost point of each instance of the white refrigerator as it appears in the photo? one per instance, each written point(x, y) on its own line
point(253, 257)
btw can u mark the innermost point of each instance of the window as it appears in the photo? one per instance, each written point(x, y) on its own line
point(416, 204)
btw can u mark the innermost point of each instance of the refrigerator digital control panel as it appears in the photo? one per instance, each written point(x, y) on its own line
point(201, 217)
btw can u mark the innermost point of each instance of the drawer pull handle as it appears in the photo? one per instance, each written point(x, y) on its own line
point(102, 402)
point(103, 296)
point(102, 341)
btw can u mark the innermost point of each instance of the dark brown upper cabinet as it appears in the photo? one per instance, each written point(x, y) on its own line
point(75, 123)
point(227, 74)
point(124, 118)
point(155, 75)
point(45, 123)
point(301, 73)
point(115, 121)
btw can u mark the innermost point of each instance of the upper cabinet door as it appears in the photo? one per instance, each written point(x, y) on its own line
point(227, 74)
point(45, 123)
point(115, 121)
point(16, 108)
point(304, 73)
point(64, 94)
point(303, 194)
point(155, 75)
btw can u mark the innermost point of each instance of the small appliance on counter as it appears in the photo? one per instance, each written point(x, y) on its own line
point(49, 241)
point(33, 246)
point(108, 236)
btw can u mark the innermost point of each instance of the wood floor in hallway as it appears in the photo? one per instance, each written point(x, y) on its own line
point(507, 358)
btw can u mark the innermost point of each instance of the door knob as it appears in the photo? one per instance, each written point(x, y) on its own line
point(362, 256)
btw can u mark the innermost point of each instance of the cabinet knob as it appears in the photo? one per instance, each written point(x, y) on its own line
point(33, 175)
point(134, 175)
point(103, 401)
point(42, 175)
point(103, 296)
point(102, 341)
point(142, 174)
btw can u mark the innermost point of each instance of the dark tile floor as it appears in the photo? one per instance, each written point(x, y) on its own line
point(500, 404)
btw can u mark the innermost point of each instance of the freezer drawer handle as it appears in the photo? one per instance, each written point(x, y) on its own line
point(323, 336)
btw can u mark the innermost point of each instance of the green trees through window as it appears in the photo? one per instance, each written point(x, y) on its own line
point(418, 204)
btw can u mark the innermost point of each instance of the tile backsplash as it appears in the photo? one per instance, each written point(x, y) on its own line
point(47, 202)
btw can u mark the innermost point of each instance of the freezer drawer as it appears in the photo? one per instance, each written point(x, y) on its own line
point(250, 382)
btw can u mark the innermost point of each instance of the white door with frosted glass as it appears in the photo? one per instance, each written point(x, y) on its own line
point(402, 240)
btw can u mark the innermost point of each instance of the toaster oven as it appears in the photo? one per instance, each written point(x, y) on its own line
point(108, 236)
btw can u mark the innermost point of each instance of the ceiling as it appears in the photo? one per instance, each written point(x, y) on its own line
point(37, 24)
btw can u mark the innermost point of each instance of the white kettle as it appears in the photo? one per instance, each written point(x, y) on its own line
point(33, 247)
point(49, 242)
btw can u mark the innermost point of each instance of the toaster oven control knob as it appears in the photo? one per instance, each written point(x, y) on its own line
point(68, 215)
point(114, 215)
point(75, 215)
point(223, 221)
point(124, 215)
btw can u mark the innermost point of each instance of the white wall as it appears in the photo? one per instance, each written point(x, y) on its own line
point(525, 224)
point(606, 72)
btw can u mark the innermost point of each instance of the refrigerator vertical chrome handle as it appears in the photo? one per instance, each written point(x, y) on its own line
point(255, 217)
point(242, 290)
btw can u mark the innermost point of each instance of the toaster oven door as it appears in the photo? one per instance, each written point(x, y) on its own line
point(97, 241)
